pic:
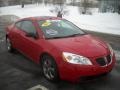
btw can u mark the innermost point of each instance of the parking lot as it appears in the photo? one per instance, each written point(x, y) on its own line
point(19, 73)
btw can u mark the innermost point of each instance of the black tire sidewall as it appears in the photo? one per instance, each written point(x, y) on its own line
point(56, 77)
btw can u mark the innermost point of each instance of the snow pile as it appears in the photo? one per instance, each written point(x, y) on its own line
point(28, 11)
point(100, 22)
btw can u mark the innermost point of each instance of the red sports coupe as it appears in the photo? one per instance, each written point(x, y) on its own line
point(62, 49)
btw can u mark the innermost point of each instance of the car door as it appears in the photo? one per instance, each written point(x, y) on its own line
point(14, 34)
point(28, 44)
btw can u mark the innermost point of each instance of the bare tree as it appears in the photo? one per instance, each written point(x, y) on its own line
point(59, 7)
point(39, 1)
point(73, 2)
point(84, 6)
point(109, 6)
point(119, 9)
point(5, 2)
point(22, 3)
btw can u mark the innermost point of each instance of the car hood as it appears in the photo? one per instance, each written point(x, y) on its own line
point(85, 45)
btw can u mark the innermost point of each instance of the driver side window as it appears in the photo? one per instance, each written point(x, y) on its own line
point(28, 27)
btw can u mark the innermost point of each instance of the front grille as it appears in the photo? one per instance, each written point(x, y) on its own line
point(108, 58)
point(104, 60)
point(101, 61)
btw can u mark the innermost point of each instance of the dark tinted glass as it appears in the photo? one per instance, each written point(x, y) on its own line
point(18, 24)
point(28, 27)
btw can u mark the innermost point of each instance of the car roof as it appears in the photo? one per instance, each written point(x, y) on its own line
point(41, 18)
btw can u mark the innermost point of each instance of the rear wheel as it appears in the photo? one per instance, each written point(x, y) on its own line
point(9, 45)
point(49, 68)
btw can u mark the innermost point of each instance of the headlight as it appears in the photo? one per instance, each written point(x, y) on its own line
point(111, 50)
point(76, 59)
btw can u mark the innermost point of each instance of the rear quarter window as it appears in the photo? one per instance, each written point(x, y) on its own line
point(18, 24)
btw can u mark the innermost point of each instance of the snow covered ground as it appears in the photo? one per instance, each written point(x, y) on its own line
point(100, 22)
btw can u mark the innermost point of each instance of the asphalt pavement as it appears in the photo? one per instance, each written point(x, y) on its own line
point(19, 73)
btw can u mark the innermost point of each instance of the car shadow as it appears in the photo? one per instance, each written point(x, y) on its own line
point(22, 63)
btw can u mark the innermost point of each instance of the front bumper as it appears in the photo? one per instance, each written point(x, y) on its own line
point(73, 72)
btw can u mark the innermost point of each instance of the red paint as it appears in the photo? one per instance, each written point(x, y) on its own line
point(85, 45)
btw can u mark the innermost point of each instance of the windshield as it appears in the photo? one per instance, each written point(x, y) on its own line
point(59, 28)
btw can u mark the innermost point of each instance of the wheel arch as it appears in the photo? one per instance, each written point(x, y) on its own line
point(43, 54)
point(57, 68)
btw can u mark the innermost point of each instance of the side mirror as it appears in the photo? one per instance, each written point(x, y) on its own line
point(34, 35)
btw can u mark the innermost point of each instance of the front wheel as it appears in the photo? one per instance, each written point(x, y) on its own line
point(49, 68)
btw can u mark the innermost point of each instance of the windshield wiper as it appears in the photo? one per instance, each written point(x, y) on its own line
point(78, 34)
point(73, 35)
point(54, 37)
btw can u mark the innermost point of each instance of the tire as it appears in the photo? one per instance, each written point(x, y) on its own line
point(9, 45)
point(49, 68)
